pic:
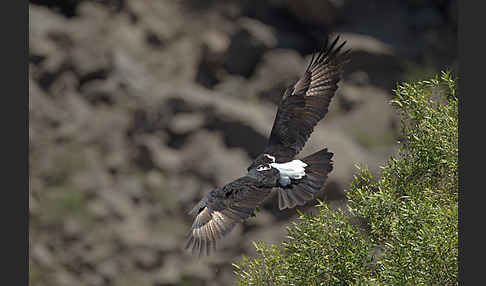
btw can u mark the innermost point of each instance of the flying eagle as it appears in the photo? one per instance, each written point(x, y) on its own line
point(302, 106)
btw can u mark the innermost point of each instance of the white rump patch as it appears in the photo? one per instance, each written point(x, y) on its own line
point(291, 170)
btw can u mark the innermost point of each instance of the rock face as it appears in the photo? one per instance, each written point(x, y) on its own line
point(139, 108)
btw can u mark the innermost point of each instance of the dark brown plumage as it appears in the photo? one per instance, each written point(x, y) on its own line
point(306, 102)
point(302, 106)
point(222, 208)
point(302, 191)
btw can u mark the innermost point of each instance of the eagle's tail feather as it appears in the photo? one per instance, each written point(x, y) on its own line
point(300, 191)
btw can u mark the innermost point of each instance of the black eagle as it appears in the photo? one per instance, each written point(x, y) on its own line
point(302, 106)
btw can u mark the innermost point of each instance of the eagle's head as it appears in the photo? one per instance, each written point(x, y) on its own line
point(261, 161)
point(265, 174)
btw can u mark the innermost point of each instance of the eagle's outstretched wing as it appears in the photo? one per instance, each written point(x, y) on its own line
point(219, 211)
point(305, 103)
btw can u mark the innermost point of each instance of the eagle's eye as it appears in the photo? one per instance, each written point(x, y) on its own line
point(263, 168)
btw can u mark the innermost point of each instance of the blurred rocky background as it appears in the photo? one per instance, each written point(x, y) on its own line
point(139, 108)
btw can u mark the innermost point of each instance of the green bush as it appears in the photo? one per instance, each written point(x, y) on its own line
point(400, 229)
